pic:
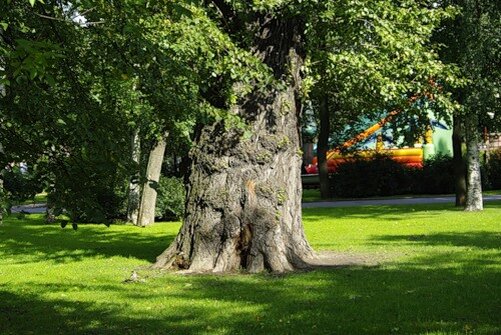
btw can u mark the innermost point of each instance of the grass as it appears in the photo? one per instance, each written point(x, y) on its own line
point(313, 195)
point(39, 198)
point(492, 192)
point(442, 275)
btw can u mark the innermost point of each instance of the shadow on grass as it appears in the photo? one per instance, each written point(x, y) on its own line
point(31, 314)
point(438, 293)
point(408, 300)
point(387, 212)
point(50, 242)
point(366, 301)
point(480, 239)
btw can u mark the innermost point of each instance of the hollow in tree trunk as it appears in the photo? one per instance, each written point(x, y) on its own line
point(474, 201)
point(149, 190)
point(244, 196)
point(459, 166)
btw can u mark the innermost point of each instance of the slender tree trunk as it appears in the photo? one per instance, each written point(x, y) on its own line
point(244, 197)
point(323, 147)
point(149, 190)
point(474, 201)
point(134, 185)
point(50, 216)
point(459, 166)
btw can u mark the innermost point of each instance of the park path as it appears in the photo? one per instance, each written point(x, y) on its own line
point(31, 208)
point(40, 208)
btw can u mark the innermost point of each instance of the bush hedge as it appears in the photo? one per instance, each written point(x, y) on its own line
point(382, 176)
point(493, 170)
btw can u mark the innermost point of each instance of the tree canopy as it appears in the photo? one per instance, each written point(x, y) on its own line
point(81, 78)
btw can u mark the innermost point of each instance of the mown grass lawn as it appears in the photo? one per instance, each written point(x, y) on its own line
point(313, 195)
point(439, 273)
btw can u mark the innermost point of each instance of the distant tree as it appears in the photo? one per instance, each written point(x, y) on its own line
point(81, 78)
point(374, 57)
point(472, 42)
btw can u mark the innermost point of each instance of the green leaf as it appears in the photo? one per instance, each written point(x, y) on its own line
point(32, 2)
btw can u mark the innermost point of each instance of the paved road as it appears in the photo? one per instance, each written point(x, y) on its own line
point(31, 209)
point(393, 201)
point(40, 208)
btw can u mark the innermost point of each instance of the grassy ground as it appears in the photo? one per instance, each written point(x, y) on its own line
point(313, 195)
point(493, 192)
point(40, 198)
point(442, 275)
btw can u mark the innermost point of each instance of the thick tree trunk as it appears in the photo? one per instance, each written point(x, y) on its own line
point(459, 166)
point(134, 186)
point(474, 201)
point(244, 197)
point(322, 148)
point(149, 190)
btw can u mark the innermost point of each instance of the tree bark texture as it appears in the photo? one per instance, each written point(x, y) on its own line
point(50, 216)
point(459, 165)
point(134, 196)
point(474, 201)
point(243, 208)
point(322, 148)
point(149, 190)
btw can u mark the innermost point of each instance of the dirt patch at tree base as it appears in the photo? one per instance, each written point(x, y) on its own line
point(345, 259)
point(323, 260)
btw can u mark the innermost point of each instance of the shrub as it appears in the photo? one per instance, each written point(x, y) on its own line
point(380, 176)
point(436, 176)
point(93, 191)
point(21, 185)
point(493, 169)
point(170, 198)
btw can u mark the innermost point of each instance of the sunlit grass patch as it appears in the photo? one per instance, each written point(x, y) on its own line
point(442, 276)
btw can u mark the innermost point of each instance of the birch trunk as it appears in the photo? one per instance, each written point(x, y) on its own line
point(149, 190)
point(134, 185)
point(474, 201)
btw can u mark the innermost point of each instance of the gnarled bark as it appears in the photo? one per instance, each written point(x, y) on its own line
point(244, 196)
